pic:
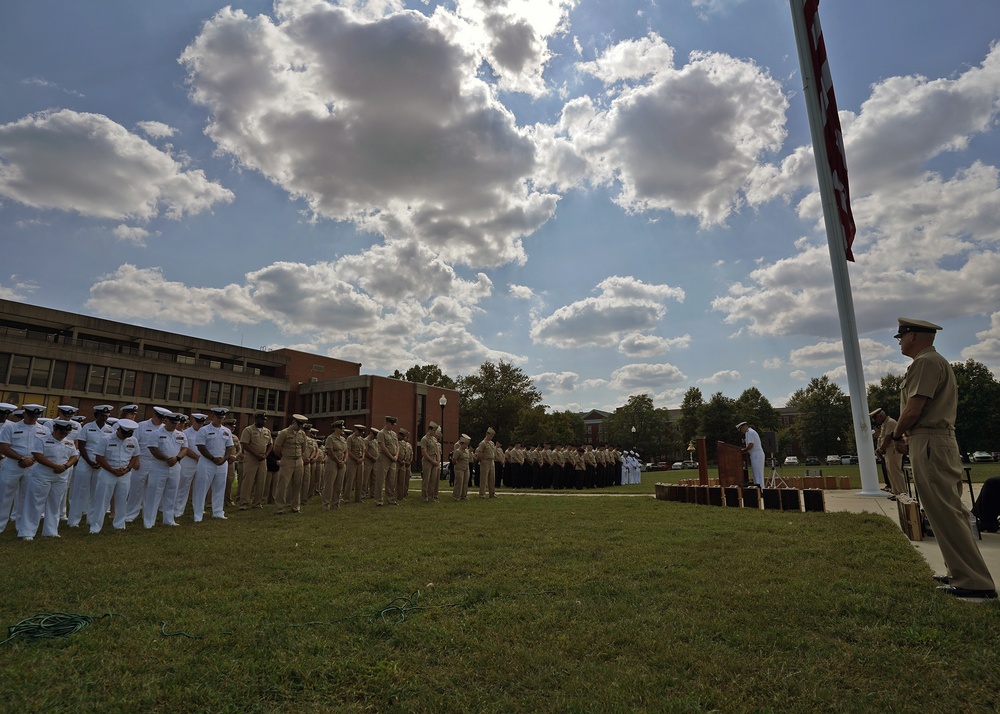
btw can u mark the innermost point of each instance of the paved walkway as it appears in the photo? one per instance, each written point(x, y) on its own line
point(851, 502)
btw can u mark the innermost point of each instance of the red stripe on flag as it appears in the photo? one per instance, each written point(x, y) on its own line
point(833, 137)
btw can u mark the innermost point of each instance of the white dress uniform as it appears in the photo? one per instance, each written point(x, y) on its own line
point(46, 488)
point(14, 478)
point(756, 456)
point(216, 439)
point(117, 452)
point(188, 468)
point(84, 485)
point(137, 489)
point(163, 479)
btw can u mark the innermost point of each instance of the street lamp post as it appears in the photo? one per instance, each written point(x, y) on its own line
point(443, 401)
point(633, 437)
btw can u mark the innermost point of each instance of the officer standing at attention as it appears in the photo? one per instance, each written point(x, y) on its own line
point(926, 430)
point(388, 456)
point(371, 456)
point(430, 472)
point(167, 450)
point(137, 488)
point(17, 442)
point(235, 456)
point(86, 472)
point(485, 454)
point(214, 442)
point(403, 466)
point(189, 466)
point(356, 448)
point(756, 451)
point(336, 466)
point(55, 455)
point(460, 459)
point(884, 448)
point(118, 456)
point(288, 446)
point(257, 443)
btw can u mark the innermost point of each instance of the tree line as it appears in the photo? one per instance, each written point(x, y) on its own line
point(502, 396)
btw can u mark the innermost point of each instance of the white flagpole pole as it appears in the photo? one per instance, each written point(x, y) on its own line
point(836, 241)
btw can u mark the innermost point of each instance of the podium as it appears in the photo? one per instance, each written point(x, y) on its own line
point(732, 468)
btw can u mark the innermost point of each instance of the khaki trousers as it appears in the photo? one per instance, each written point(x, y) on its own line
point(385, 479)
point(461, 490)
point(430, 475)
point(894, 471)
point(333, 484)
point(352, 480)
point(487, 478)
point(288, 484)
point(253, 474)
point(937, 469)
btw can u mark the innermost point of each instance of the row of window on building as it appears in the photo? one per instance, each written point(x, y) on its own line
point(342, 400)
point(42, 373)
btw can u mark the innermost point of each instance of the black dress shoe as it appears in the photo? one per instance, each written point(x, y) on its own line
point(942, 579)
point(967, 594)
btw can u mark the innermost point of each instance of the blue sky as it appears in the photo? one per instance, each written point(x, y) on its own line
point(619, 198)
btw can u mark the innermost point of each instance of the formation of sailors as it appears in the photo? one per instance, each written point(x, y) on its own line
point(70, 468)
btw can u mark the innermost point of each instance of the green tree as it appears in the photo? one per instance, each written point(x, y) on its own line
point(885, 394)
point(429, 374)
point(752, 406)
point(978, 407)
point(690, 420)
point(498, 395)
point(651, 424)
point(718, 423)
point(824, 415)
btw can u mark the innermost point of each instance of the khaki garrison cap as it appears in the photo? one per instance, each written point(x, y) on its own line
point(490, 430)
point(908, 325)
point(403, 432)
point(432, 425)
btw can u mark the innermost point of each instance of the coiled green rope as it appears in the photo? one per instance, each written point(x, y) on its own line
point(50, 625)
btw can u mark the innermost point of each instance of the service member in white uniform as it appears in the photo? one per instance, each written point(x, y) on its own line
point(118, 457)
point(214, 442)
point(55, 455)
point(137, 489)
point(167, 451)
point(189, 466)
point(86, 472)
point(17, 442)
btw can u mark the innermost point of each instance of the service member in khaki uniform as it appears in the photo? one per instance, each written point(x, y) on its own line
point(385, 466)
point(430, 467)
point(336, 466)
point(928, 406)
point(257, 443)
point(308, 464)
point(884, 448)
point(288, 446)
point(234, 458)
point(404, 465)
point(356, 448)
point(460, 459)
point(485, 454)
point(371, 456)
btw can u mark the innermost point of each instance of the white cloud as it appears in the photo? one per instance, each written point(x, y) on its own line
point(637, 344)
point(987, 350)
point(18, 289)
point(928, 243)
point(522, 292)
point(727, 376)
point(684, 140)
point(381, 122)
point(625, 305)
point(88, 164)
point(645, 377)
point(773, 363)
point(798, 374)
point(548, 382)
point(131, 234)
point(155, 129)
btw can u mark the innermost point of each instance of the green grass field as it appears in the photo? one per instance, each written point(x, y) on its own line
point(526, 604)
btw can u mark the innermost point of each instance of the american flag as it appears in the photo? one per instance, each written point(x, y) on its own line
point(833, 137)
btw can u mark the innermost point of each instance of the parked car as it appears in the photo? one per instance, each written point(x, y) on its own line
point(791, 461)
point(677, 466)
point(845, 459)
point(832, 460)
point(812, 461)
point(981, 456)
point(690, 464)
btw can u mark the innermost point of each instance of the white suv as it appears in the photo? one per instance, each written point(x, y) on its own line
point(833, 460)
point(791, 461)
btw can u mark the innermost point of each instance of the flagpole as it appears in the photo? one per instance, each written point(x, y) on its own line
point(837, 243)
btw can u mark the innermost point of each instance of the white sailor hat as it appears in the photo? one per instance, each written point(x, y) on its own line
point(127, 425)
point(129, 408)
point(106, 408)
point(7, 408)
point(112, 420)
point(161, 412)
point(79, 418)
point(62, 424)
point(219, 411)
point(741, 424)
point(32, 408)
point(68, 409)
point(198, 416)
